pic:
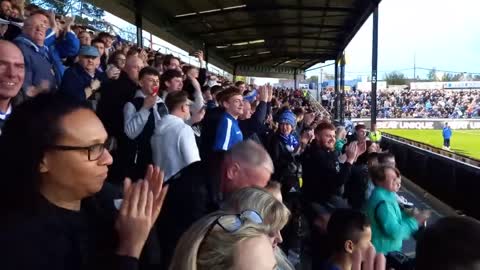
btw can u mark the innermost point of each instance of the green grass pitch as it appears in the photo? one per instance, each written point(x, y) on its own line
point(465, 142)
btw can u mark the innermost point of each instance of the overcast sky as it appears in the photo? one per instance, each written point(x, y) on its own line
point(440, 33)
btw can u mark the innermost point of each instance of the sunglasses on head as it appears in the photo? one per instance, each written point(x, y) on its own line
point(234, 222)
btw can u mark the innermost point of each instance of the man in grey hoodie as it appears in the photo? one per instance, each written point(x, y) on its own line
point(173, 141)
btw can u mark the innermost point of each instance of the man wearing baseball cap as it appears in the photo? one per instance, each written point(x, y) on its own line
point(83, 78)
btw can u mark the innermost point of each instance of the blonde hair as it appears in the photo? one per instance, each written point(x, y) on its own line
point(204, 248)
point(274, 213)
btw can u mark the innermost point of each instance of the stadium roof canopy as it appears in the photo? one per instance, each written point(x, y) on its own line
point(252, 34)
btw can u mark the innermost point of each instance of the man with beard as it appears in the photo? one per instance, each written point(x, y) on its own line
point(323, 175)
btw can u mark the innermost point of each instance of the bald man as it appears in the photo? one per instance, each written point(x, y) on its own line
point(114, 96)
point(12, 74)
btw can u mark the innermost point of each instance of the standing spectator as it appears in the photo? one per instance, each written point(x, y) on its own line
point(142, 115)
point(350, 234)
point(390, 224)
point(108, 42)
point(242, 86)
point(323, 175)
point(199, 189)
point(62, 42)
point(375, 135)
point(41, 72)
point(252, 125)
point(173, 142)
point(447, 134)
point(225, 241)
point(12, 73)
point(449, 244)
point(6, 8)
point(170, 81)
point(85, 38)
point(100, 45)
point(114, 96)
point(340, 139)
point(228, 131)
point(83, 79)
point(56, 150)
point(117, 59)
point(171, 62)
point(283, 149)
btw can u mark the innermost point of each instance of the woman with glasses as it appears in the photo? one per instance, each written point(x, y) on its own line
point(55, 210)
point(222, 241)
point(275, 214)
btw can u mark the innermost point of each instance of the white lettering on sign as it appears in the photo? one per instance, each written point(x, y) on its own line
point(475, 125)
point(416, 125)
point(459, 125)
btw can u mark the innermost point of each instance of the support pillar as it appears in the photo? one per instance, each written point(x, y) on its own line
point(139, 22)
point(373, 107)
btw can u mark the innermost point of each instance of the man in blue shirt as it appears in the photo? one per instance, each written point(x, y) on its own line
point(447, 134)
point(228, 130)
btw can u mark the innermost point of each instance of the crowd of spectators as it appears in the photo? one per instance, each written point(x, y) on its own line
point(404, 103)
point(251, 177)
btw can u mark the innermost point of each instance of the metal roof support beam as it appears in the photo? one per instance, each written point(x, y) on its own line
point(263, 8)
point(246, 26)
point(139, 22)
point(373, 109)
point(336, 107)
point(295, 79)
point(280, 37)
point(342, 89)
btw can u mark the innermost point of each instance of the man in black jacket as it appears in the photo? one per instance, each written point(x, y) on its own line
point(199, 188)
point(323, 175)
point(114, 96)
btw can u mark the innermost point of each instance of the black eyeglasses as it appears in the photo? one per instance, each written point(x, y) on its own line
point(95, 151)
point(234, 222)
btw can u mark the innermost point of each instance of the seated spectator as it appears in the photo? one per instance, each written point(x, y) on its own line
point(173, 142)
point(449, 244)
point(41, 70)
point(228, 132)
point(199, 189)
point(55, 152)
point(275, 214)
point(350, 234)
point(225, 241)
point(142, 115)
point(12, 73)
point(390, 224)
point(83, 79)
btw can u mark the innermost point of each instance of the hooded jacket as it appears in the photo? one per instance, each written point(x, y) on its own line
point(173, 145)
